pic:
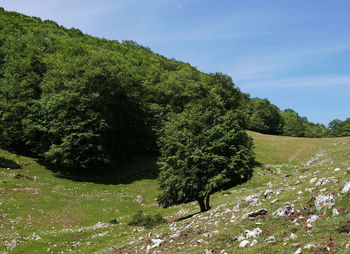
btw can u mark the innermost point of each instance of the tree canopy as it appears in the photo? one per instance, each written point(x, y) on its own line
point(204, 149)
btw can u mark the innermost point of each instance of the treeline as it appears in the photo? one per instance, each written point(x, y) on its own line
point(267, 118)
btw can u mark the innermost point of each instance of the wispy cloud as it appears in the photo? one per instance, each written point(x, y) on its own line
point(301, 82)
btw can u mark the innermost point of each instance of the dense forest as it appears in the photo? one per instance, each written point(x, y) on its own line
point(79, 101)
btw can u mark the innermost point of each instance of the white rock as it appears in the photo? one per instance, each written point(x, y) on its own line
point(346, 188)
point(274, 201)
point(321, 182)
point(207, 235)
point(312, 219)
point(188, 227)
point(309, 246)
point(244, 243)
point(254, 233)
point(267, 193)
point(256, 213)
point(284, 211)
point(270, 239)
point(335, 212)
point(157, 243)
point(337, 169)
point(253, 243)
point(175, 235)
point(299, 251)
point(300, 192)
point(252, 199)
point(292, 236)
point(324, 200)
point(313, 180)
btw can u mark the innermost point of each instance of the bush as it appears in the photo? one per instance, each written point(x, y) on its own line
point(143, 219)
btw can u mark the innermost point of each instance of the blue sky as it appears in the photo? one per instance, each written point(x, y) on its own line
point(293, 52)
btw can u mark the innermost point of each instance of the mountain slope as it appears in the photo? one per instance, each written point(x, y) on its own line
point(44, 212)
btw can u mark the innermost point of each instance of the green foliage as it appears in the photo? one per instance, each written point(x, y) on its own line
point(204, 149)
point(265, 117)
point(293, 124)
point(142, 219)
point(338, 128)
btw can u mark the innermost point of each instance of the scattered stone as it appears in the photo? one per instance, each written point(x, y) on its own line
point(270, 239)
point(324, 200)
point(139, 199)
point(252, 199)
point(239, 238)
point(11, 245)
point(297, 182)
point(256, 213)
point(157, 243)
point(321, 182)
point(112, 248)
point(267, 193)
point(299, 251)
point(244, 244)
point(309, 246)
point(346, 188)
point(274, 201)
point(253, 243)
point(284, 211)
point(313, 180)
point(209, 251)
point(233, 218)
point(254, 233)
point(312, 219)
point(175, 235)
point(207, 235)
point(76, 244)
point(335, 212)
point(292, 236)
point(337, 169)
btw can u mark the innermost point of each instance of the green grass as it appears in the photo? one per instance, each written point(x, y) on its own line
point(48, 214)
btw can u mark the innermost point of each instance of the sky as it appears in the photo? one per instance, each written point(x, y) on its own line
point(293, 52)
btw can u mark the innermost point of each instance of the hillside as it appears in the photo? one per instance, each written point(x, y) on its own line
point(79, 101)
point(42, 211)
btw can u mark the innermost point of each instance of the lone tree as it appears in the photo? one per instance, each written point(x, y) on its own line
point(204, 149)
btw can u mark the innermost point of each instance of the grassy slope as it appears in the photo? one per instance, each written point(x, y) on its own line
point(51, 214)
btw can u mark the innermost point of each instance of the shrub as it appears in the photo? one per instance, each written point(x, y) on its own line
point(143, 219)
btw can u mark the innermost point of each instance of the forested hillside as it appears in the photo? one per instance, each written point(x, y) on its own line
point(79, 101)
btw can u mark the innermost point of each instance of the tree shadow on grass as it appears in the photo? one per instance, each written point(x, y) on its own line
point(9, 164)
point(186, 217)
point(138, 168)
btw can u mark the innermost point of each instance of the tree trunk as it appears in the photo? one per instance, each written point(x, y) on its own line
point(207, 205)
point(201, 204)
